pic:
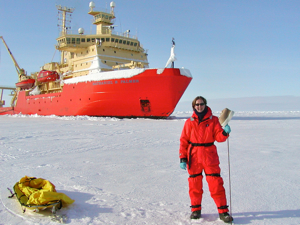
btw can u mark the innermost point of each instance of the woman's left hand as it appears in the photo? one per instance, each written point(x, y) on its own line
point(227, 129)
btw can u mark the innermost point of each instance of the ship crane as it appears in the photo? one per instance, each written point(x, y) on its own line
point(20, 71)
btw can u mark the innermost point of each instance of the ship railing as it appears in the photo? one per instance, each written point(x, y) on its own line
point(121, 34)
point(107, 44)
point(7, 87)
point(99, 9)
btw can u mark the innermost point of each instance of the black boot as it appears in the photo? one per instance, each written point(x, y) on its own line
point(226, 217)
point(196, 215)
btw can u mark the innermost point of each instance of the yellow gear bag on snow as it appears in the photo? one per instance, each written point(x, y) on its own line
point(38, 193)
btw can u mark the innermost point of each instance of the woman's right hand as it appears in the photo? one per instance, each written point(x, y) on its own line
point(183, 165)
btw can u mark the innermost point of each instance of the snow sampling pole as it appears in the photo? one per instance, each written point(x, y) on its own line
point(224, 119)
point(230, 209)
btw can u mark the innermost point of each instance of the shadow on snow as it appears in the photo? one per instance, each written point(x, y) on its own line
point(249, 217)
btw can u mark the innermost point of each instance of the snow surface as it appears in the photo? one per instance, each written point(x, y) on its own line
point(117, 74)
point(126, 171)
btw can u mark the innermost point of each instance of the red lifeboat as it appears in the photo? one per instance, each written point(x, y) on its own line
point(26, 84)
point(47, 75)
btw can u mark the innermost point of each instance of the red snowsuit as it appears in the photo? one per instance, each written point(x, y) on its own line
point(197, 148)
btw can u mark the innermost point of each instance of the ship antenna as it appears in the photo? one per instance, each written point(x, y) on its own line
point(112, 6)
point(65, 13)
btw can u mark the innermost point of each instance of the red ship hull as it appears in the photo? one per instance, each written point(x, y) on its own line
point(147, 94)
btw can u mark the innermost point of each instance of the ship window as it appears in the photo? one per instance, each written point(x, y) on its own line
point(112, 40)
point(73, 40)
point(77, 40)
point(82, 39)
point(135, 44)
point(88, 40)
point(117, 40)
point(107, 39)
point(128, 42)
point(103, 39)
point(93, 39)
point(68, 41)
point(145, 105)
point(120, 41)
point(124, 42)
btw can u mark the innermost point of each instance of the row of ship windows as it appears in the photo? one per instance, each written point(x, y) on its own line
point(103, 16)
point(81, 64)
point(72, 53)
point(83, 40)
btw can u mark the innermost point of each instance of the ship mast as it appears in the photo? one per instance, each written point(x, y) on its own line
point(103, 20)
point(66, 12)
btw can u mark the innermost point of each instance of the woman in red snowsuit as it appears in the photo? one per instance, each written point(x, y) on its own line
point(199, 154)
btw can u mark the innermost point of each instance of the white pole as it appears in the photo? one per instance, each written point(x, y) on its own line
point(230, 208)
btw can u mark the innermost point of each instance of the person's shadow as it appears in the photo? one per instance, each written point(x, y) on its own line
point(250, 217)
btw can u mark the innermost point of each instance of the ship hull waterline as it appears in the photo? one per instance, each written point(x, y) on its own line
point(147, 94)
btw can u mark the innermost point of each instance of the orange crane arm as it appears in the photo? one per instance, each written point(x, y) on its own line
point(19, 70)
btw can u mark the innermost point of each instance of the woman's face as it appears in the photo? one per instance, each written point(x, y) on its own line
point(200, 105)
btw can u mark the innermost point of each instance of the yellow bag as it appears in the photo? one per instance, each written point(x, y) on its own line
point(38, 193)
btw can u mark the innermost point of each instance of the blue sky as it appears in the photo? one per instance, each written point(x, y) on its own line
point(233, 48)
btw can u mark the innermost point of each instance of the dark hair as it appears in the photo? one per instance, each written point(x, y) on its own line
point(198, 97)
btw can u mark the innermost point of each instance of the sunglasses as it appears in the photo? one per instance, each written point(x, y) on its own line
point(202, 104)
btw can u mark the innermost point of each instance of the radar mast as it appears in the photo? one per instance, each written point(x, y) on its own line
point(65, 17)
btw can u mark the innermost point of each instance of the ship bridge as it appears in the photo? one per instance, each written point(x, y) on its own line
point(78, 43)
point(74, 43)
point(105, 36)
